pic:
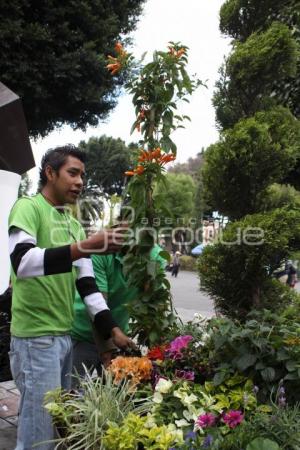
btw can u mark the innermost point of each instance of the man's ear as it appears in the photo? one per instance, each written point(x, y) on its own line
point(50, 173)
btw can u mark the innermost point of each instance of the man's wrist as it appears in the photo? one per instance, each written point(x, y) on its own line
point(115, 330)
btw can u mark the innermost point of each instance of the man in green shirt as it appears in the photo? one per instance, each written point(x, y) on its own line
point(49, 256)
point(111, 282)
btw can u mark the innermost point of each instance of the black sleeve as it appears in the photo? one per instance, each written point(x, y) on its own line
point(57, 260)
point(17, 255)
point(104, 323)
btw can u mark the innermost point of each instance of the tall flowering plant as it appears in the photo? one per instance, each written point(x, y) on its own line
point(156, 89)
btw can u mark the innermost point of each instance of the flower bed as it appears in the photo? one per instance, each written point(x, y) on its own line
point(174, 398)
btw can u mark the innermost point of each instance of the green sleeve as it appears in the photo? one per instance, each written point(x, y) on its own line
point(154, 256)
point(100, 265)
point(25, 215)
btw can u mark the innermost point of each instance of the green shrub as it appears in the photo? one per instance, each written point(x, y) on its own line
point(281, 426)
point(236, 271)
point(266, 348)
point(188, 263)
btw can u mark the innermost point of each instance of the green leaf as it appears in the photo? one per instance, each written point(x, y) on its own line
point(262, 444)
point(219, 378)
point(291, 365)
point(268, 374)
point(246, 361)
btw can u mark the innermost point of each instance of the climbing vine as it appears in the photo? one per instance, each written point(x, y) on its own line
point(156, 87)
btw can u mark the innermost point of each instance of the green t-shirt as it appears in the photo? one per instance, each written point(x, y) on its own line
point(43, 305)
point(111, 281)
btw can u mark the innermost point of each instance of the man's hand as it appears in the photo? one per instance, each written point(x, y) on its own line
point(107, 241)
point(103, 242)
point(106, 358)
point(121, 340)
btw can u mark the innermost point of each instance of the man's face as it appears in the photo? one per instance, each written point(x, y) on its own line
point(67, 184)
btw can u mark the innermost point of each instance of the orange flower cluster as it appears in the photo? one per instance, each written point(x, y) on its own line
point(134, 369)
point(115, 64)
point(155, 156)
point(138, 171)
point(176, 53)
point(140, 118)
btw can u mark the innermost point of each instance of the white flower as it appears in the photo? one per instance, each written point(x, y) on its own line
point(181, 423)
point(150, 422)
point(163, 386)
point(189, 399)
point(188, 415)
point(157, 397)
point(176, 433)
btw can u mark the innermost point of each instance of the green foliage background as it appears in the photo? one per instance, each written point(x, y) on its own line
point(53, 55)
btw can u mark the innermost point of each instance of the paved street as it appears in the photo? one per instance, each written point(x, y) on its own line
point(187, 300)
point(187, 297)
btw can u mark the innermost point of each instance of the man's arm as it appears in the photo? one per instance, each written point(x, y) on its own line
point(97, 307)
point(28, 260)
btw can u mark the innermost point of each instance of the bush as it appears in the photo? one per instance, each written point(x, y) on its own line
point(237, 270)
point(188, 263)
point(266, 348)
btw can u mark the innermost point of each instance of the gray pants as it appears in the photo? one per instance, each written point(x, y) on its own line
point(84, 353)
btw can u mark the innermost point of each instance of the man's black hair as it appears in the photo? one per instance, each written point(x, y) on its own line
point(56, 158)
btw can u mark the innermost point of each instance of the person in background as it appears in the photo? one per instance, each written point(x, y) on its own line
point(291, 274)
point(176, 264)
point(112, 283)
point(49, 255)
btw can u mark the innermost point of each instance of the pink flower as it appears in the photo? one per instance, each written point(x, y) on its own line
point(179, 343)
point(188, 375)
point(233, 418)
point(206, 420)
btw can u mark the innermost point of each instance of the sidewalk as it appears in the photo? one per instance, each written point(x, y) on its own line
point(9, 399)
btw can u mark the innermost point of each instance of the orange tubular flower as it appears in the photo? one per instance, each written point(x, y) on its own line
point(166, 158)
point(119, 48)
point(139, 170)
point(156, 154)
point(129, 173)
point(114, 67)
point(180, 52)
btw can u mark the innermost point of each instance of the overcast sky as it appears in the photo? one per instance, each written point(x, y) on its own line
point(192, 22)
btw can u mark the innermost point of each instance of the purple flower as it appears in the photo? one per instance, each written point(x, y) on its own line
point(281, 397)
point(179, 343)
point(281, 390)
point(282, 401)
point(206, 420)
point(255, 390)
point(208, 441)
point(233, 418)
point(190, 436)
point(188, 375)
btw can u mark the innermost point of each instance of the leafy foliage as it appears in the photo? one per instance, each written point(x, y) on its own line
point(236, 270)
point(52, 54)
point(264, 348)
point(280, 195)
point(249, 75)
point(82, 418)
point(278, 430)
point(255, 153)
point(25, 185)
point(175, 199)
point(256, 103)
point(241, 18)
point(157, 88)
point(107, 160)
